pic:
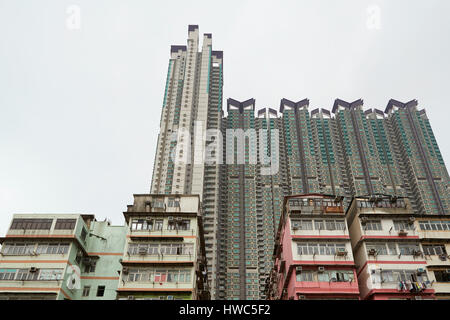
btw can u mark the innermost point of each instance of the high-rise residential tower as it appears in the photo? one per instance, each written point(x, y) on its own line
point(192, 103)
point(347, 152)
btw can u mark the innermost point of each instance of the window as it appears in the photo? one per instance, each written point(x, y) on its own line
point(319, 248)
point(26, 274)
point(373, 225)
point(86, 291)
point(65, 224)
point(142, 224)
point(326, 276)
point(402, 275)
point(319, 225)
point(31, 224)
point(174, 202)
point(403, 225)
point(50, 274)
point(158, 225)
point(52, 248)
point(305, 276)
point(392, 247)
point(83, 234)
point(7, 274)
point(158, 204)
point(408, 249)
point(33, 248)
point(302, 224)
point(149, 275)
point(100, 291)
point(90, 267)
point(341, 276)
point(380, 248)
point(435, 225)
point(434, 250)
point(442, 275)
point(18, 249)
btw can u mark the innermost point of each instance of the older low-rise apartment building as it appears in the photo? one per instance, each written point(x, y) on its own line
point(390, 258)
point(434, 235)
point(60, 256)
point(313, 255)
point(164, 256)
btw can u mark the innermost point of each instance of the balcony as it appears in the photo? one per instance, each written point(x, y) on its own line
point(154, 286)
point(159, 258)
point(316, 287)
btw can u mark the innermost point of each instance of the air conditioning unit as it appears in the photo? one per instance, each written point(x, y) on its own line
point(143, 251)
point(301, 297)
point(170, 218)
point(364, 220)
point(179, 218)
point(402, 233)
point(443, 257)
point(420, 271)
point(372, 252)
point(341, 252)
point(418, 298)
point(321, 269)
point(130, 297)
point(298, 269)
point(33, 269)
point(295, 228)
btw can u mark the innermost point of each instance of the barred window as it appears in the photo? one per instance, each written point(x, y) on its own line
point(319, 248)
point(434, 249)
point(380, 248)
point(31, 224)
point(435, 225)
point(65, 224)
point(373, 225)
point(408, 249)
point(403, 225)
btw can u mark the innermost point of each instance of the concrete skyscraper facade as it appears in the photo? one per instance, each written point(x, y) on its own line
point(192, 103)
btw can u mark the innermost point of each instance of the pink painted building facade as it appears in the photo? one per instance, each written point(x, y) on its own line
point(313, 255)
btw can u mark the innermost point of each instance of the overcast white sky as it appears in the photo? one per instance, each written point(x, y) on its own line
point(80, 109)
